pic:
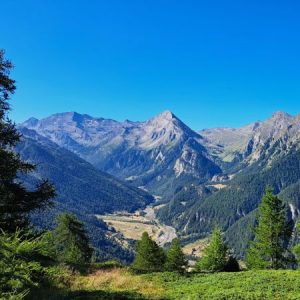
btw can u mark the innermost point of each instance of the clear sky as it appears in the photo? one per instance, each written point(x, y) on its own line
point(213, 63)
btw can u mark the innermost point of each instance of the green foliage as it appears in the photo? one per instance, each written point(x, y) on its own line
point(149, 256)
point(215, 255)
point(175, 260)
point(254, 259)
point(106, 265)
point(272, 234)
point(181, 202)
point(296, 251)
point(70, 240)
point(250, 285)
point(20, 268)
point(240, 233)
point(16, 202)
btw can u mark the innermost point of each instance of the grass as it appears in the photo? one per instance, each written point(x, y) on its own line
point(119, 280)
point(118, 283)
point(244, 285)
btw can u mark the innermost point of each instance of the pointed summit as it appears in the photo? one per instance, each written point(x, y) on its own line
point(280, 115)
point(166, 115)
point(279, 119)
point(31, 122)
point(167, 123)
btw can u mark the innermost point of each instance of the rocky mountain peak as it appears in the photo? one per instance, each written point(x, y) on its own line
point(164, 118)
point(168, 115)
point(280, 116)
point(275, 125)
point(70, 117)
point(168, 122)
point(31, 122)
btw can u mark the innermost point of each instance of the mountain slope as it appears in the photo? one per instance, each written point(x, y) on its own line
point(263, 153)
point(158, 154)
point(249, 143)
point(80, 187)
point(229, 143)
point(235, 203)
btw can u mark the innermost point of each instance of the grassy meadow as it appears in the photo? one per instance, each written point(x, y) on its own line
point(119, 283)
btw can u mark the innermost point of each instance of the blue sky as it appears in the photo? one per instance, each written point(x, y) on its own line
point(213, 63)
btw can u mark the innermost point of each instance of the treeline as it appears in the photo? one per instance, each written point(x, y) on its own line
point(270, 249)
point(152, 258)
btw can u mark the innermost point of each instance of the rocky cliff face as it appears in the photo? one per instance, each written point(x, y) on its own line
point(248, 144)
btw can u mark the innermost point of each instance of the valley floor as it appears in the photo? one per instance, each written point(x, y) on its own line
point(132, 225)
point(119, 284)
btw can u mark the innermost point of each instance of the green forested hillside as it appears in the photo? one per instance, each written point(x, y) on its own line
point(81, 189)
point(78, 184)
point(233, 207)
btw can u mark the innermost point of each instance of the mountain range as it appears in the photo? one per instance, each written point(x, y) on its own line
point(199, 179)
point(152, 154)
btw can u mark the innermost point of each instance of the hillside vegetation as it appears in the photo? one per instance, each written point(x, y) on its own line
point(81, 189)
point(119, 283)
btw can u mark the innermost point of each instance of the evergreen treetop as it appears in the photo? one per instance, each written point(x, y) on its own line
point(149, 256)
point(175, 260)
point(272, 233)
point(215, 256)
point(70, 240)
point(16, 202)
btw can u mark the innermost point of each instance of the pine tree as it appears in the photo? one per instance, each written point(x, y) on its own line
point(176, 260)
point(71, 240)
point(215, 255)
point(16, 202)
point(149, 256)
point(272, 234)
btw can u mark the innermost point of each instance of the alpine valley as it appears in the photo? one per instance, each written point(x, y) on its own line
point(164, 172)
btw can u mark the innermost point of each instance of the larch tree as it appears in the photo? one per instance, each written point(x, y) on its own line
point(269, 250)
point(149, 256)
point(215, 256)
point(71, 242)
point(176, 260)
